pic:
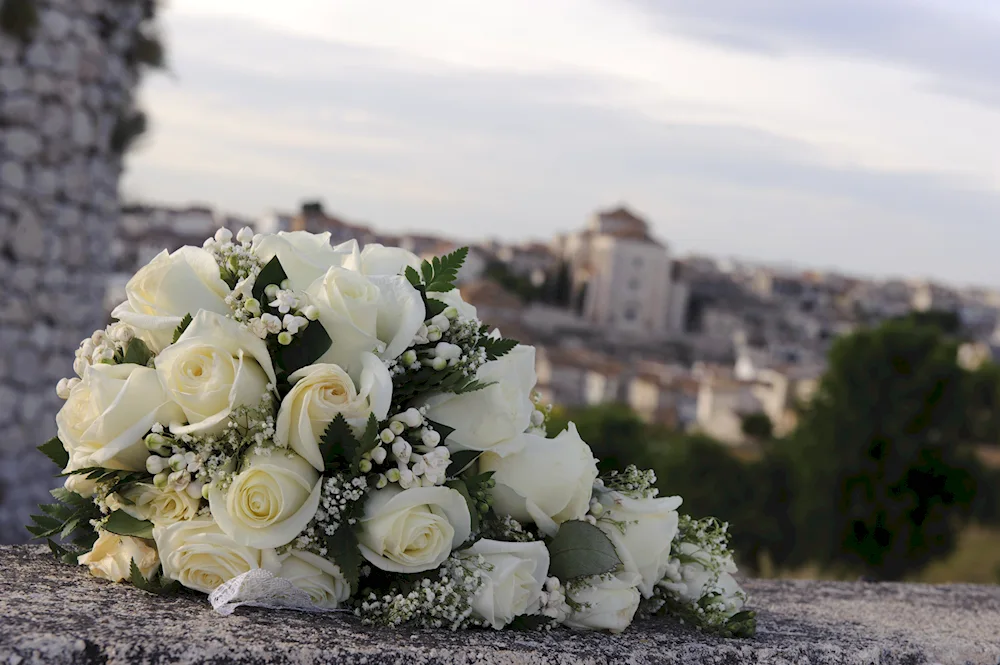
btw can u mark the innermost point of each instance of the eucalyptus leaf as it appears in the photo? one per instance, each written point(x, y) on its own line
point(580, 549)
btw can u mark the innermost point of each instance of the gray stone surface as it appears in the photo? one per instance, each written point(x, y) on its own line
point(58, 209)
point(51, 613)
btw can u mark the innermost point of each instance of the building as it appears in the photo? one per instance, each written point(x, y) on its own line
point(620, 274)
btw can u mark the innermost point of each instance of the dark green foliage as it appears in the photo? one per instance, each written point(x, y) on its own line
point(155, 584)
point(882, 479)
point(272, 273)
point(581, 549)
point(462, 460)
point(68, 520)
point(130, 126)
point(307, 346)
point(520, 286)
point(341, 449)
point(148, 50)
point(497, 348)
point(182, 326)
point(440, 273)
point(18, 18)
point(124, 524)
point(55, 451)
point(342, 549)
point(982, 400)
point(559, 289)
point(758, 426)
point(136, 352)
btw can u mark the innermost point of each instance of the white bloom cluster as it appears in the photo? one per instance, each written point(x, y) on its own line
point(339, 416)
point(440, 601)
point(410, 443)
point(339, 495)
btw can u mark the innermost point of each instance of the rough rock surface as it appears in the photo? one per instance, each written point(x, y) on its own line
point(51, 613)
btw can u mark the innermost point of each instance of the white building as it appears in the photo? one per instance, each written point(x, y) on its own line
point(620, 274)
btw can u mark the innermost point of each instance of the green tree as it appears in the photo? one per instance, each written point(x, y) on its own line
point(983, 404)
point(758, 426)
point(882, 480)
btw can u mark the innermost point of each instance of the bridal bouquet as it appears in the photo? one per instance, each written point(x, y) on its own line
point(275, 421)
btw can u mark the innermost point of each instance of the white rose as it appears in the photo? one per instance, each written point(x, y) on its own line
point(200, 556)
point(453, 298)
point(512, 579)
point(605, 603)
point(485, 418)
point(107, 415)
point(318, 577)
point(160, 506)
point(269, 502)
point(379, 314)
point(213, 368)
point(319, 393)
point(376, 259)
point(701, 573)
point(410, 531)
point(80, 484)
point(112, 556)
point(168, 288)
point(547, 481)
point(649, 528)
point(304, 256)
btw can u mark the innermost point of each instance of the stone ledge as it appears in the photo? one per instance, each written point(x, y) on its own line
point(51, 613)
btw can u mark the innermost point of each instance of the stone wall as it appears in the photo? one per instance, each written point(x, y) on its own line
point(63, 88)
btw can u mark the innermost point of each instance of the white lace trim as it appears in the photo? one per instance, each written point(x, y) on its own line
point(260, 588)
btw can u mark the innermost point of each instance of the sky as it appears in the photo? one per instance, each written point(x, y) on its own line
point(861, 135)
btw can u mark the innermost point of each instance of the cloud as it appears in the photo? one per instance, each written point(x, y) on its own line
point(949, 42)
point(405, 144)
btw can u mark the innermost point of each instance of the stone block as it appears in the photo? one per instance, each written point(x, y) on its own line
point(58, 614)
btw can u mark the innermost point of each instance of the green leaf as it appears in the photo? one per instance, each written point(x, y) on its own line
point(342, 549)
point(155, 584)
point(137, 353)
point(54, 450)
point(459, 486)
point(369, 440)
point(179, 330)
point(742, 624)
point(412, 275)
point(580, 549)
point(462, 460)
point(305, 349)
point(443, 430)
point(337, 445)
point(497, 348)
point(433, 307)
point(123, 524)
point(272, 273)
point(445, 270)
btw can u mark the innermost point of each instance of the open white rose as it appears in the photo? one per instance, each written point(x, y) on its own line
point(512, 579)
point(318, 577)
point(319, 393)
point(112, 556)
point(213, 368)
point(159, 506)
point(269, 502)
point(170, 286)
point(649, 528)
point(485, 418)
point(410, 531)
point(605, 603)
point(200, 556)
point(304, 256)
point(107, 415)
point(378, 314)
point(376, 259)
point(547, 481)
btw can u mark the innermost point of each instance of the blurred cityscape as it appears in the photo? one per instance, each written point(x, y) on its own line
point(694, 343)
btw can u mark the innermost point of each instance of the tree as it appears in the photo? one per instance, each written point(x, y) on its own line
point(882, 480)
point(983, 404)
point(757, 426)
